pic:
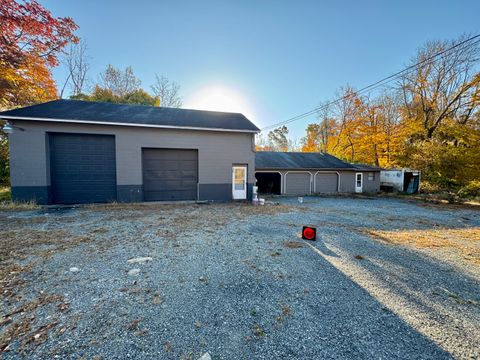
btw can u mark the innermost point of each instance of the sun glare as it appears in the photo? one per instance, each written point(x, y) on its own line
point(219, 98)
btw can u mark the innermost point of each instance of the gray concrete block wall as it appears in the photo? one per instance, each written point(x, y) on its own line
point(217, 152)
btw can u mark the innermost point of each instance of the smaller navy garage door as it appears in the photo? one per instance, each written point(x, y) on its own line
point(82, 168)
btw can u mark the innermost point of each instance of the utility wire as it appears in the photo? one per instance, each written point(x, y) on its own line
point(378, 83)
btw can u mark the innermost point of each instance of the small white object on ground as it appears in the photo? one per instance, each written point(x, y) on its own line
point(139, 260)
point(300, 200)
point(261, 201)
point(74, 269)
point(205, 356)
point(134, 272)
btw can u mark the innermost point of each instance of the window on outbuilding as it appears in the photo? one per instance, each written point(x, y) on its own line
point(371, 176)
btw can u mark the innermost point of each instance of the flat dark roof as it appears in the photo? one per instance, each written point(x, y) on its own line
point(133, 115)
point(298, 160)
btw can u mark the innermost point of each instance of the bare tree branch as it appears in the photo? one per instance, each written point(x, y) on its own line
point(167, 91)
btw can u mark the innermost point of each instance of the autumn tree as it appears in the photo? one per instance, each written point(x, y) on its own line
point(440, 110)
point(311, 141)
point(261, 143)
point(167, 91)
point(391, 130)
point(347, 111)
point(30, 42)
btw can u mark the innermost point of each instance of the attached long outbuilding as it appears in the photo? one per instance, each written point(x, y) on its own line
point(296, 173)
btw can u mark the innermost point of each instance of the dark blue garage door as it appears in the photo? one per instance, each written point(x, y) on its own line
point(82, 168)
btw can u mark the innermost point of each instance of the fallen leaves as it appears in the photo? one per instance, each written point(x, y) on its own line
point(465, 241)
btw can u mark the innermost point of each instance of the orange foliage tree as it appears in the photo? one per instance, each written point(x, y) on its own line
point(31, 39)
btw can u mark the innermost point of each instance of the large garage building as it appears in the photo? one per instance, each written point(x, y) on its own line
point(69, 151)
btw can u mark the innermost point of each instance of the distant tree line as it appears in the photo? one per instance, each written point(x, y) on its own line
point(114, 84)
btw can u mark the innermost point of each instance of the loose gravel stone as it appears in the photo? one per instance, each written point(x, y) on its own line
point(237, 282)
point(133, 272)
point(139, 260)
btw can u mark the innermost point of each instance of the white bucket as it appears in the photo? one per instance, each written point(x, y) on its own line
point(261, 201)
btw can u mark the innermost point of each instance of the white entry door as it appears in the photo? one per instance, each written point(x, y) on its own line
point(239, 182)
point(358, 182)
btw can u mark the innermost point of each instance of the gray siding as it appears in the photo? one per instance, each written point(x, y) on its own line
point(371, 184)
point(346, 179)
point(217, 152)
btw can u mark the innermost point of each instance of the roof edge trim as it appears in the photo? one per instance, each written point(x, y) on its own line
point(8, 117)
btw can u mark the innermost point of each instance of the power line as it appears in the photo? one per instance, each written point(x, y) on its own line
point(377, 83)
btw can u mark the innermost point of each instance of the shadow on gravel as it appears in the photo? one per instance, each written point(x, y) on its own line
point(320, 245)
point(219, 290)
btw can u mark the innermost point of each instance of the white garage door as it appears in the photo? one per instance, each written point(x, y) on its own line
point(297, 183)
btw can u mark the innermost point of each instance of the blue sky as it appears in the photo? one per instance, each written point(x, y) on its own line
point(276, 58)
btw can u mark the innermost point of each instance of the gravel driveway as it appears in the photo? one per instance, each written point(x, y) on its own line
point(237, 282)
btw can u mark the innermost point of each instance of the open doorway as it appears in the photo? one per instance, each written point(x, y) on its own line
point(411, 182)
point(269, 182)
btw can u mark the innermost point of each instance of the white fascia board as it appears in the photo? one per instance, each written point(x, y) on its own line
point(68, 121)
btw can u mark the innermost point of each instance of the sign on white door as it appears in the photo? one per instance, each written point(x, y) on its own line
point(239, 182)
point(358, 182)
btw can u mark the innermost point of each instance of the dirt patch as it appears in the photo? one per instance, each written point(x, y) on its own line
point(465, 241)
point(293, 244)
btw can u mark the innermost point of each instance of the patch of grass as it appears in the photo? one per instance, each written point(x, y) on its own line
point(18, 206)
point(465, 241)
point(258, 331)
point(286, 311)
point(5, 194)
point(6, 202)
point(253, 312)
